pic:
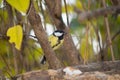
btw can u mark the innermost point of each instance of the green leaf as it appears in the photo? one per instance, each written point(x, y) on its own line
point(0, 1)
point(3, 46)
point(86, 50)
point(16, 34)
point(86, 46)
point(2, 64)
point(20, 5)
point(3, 17)
point(1, 4)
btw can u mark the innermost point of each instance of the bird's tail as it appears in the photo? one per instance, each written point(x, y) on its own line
point(43, 60)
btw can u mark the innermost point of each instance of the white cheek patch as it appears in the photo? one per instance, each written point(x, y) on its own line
point(58, 34)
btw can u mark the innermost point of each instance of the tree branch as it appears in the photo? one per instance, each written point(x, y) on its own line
point(96, 13)
point(35, 21)
point(108, 31)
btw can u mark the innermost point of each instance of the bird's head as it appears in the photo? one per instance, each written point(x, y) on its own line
point(59, 33)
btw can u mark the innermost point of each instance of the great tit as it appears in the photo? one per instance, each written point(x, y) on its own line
point(56, 40)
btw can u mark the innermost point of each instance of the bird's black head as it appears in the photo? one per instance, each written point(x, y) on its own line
point(59, 33)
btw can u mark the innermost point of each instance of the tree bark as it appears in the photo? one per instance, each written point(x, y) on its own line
point(54, 7)
point(35, 21)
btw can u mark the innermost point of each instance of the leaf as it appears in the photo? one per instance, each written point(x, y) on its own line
point(16, 34)
point(86, 50)
point(79, 4)
point(86, 45)
point(20, 5)
point(3, 46)
point(2, 64)
point(3, 17)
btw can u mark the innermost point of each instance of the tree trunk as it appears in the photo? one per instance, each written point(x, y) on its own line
point(35, 21)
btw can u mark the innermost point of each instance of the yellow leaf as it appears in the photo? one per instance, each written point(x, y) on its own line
point(69, 8)
point(79, 5)
point(20, 5)
point(16, 34)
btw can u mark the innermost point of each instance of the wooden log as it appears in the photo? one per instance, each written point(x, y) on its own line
point(95, 71)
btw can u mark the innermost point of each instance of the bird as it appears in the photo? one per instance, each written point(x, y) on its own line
point(56, 40)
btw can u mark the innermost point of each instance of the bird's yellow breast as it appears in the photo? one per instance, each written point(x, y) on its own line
point(55, 42)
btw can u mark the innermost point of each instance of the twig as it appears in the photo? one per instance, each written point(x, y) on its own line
point(66, 13)
point(43, 14)
point(115, 35)
point(108, 33)
point(15, 58)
